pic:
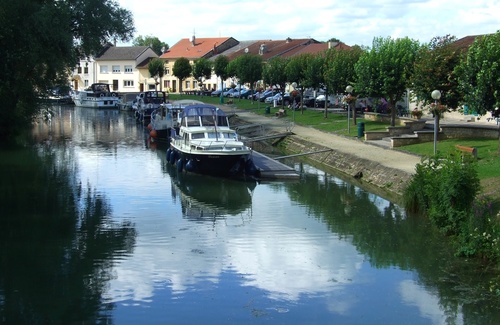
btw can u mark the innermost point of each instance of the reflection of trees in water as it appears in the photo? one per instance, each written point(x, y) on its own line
point(57, 241)
point(382, 232)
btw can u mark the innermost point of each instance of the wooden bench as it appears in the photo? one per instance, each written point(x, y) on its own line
point(465, 149)
point(281, 113)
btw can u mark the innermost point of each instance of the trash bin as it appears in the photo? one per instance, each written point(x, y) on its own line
point(361, 129)
point(268, 110)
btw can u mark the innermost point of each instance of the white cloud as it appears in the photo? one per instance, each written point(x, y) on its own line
point(356, 22)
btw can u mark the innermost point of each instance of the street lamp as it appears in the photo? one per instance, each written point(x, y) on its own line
point(294, 85)
point(436, 95)
point(348, 90)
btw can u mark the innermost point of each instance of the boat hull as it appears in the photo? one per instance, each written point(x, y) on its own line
point(213, 163)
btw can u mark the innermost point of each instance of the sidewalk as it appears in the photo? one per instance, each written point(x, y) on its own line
point(353, 147)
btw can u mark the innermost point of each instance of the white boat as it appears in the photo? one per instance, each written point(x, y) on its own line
point(98, 95)
point(166, 117)
point(207, 145)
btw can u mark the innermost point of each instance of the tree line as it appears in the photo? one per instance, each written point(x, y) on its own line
point(388, 69)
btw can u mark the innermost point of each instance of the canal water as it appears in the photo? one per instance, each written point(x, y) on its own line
point(97, 228)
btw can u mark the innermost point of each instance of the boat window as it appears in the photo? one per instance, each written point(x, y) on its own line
point(207, 120)
point(192, 121)
point(212, 135)
point(197, 136)
point(230, 135)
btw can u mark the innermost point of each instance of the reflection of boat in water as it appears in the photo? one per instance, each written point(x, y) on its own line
point(207, 145)
point(207, 197)
point(98, 95)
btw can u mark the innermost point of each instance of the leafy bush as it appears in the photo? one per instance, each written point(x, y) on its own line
point(446, 189)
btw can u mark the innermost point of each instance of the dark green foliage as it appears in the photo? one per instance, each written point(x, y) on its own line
point(479, 74)
point(40, 41)
point(434, 69)
point(446, 189)
point(182, 69)
point(152, 41)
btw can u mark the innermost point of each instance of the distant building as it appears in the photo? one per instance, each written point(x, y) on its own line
point(124, 68)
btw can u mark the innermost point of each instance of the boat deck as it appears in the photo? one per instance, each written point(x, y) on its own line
point(272, 169)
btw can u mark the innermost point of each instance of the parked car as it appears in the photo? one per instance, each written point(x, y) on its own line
point(216, 93)
point(246, 93)
point(229, 92)
point(237, 92)
point(267, 94)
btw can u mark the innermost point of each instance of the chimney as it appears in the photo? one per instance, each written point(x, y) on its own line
point(193, 40)
point(332, 44)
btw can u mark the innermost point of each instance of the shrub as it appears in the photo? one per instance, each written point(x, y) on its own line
point(446, 191)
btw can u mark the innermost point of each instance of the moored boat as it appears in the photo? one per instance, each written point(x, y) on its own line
point(206, 144)
point(98, 95)
point(146, 103)
point(166, 117)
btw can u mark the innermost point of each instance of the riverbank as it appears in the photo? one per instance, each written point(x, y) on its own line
point(386, 169)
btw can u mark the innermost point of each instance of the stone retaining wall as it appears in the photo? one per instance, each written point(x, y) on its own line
point(389, 182)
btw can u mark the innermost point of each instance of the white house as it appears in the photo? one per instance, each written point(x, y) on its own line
point(124, 68)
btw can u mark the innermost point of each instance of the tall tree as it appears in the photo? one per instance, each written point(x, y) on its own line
point(220, 69)
point(386, 69)
point(202, 69)
point(479, 74)
point(315, 76)
point(156, 68)
point(153, 42)
point(295, 71)
point(249, 69)
point(182, 69)
point(274, 73)
point(434, 69)
point(41, 42)
point(339, 70)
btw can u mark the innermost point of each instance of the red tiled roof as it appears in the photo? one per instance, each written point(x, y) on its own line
point(202, 47)
point(269, 48)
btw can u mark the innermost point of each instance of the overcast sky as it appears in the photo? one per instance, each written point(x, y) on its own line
point(352, 22)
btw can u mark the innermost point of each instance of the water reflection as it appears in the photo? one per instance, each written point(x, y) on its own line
point(58, 240)
point(205, 197)
point(94, 217)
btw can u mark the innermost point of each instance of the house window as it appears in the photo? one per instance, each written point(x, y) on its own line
point(86, 70)
point(167, 71)
point(79, 70)
point(86, 83)
point(188, 84)
point(103, 69)
point(128, 69)
point(128, 83)
point(116, 69)
point(166, 84)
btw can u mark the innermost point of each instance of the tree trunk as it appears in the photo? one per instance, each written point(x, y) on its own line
point(326, 103)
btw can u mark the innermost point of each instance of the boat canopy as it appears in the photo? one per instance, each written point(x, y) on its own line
point(207, 114)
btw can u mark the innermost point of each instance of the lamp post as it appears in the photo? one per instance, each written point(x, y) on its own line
point(294, 85)
point(436, 95)
point(349, 90)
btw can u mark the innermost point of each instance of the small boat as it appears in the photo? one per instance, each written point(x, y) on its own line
point(98, 95)
point(207, 145)
point(166, 117)
point(146, 103)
